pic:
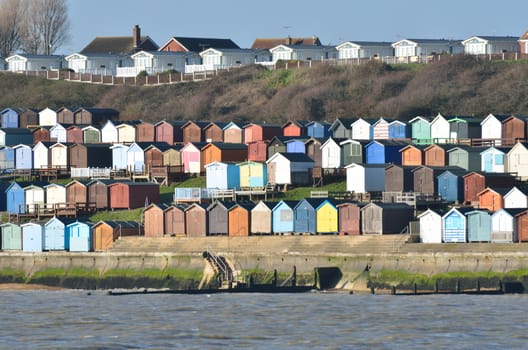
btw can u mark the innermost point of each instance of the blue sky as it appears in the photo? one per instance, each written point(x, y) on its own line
point(333, 21)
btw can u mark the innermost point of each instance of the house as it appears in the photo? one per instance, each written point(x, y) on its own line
point(283, 217)
point(32, 237)
point(313, 150)
point(190, 155)
point(126, 131)
point(94, 116)
point(98, 193)
point(153, 220)
point(193, 44)
point(513, 130)
point(105, 233)
point(289, 169)
point(261, 218)
point(10, 117)
point(169, 132)
point(120, 45)
point(362, 178)
point(492, 198)
point(91, 134)
point(98, 155)
point(318, 129)
point(436, 154)
point(384, 151)
point(492, 159)
point(451, 185)
point(431, 226)
point(361, 129)
point(218, 217)
point(517, 197)
point(223, 152)
point(440, 129)
point(11, 236)
point(331, 154)
point(58, 154)
point(55, 194)
point(58, 133)
point(23, 157)
point(302, 52)
point(155, 62)
point(214, 132)
point(19, 63)
point(240, 219)
point(341, 128)
point(218, 58)
point(193, 131)
point(464, 128)
point(109, 133)
point(364, 49)
point(327, 217)
point(119, 156)
point(258, 132)
point(79, 237)
point(407, 48)
point(268, 43)
point(478, 226)
point(174, 218)
point(144, 132)
point(491, 128)
point(420, 130)
point(305, 218)
point(517, 160)
point(454, 225)
point(412, 155)
point(77, 193)
point(504, 225)
point(489, 45)
point(385, 218)
point(476, 182)
point(15, 136)
point(196, 220)
point(294, 128)
point(233, 133)
point(258, 151)
point(352, 151)
point(523, 43)
point(131, 195)
point(399, 178)
point(349, 218)
point(96, 63)
point(253, 174)
point(465, 157)
point(54, 234)
point(222, 175)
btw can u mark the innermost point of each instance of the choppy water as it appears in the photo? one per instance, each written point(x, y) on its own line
point(75, 319)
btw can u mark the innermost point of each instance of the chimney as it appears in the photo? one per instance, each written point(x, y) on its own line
point(289, 40)
point(136, 36)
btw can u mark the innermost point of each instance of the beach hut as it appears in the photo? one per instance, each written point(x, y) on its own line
point(385, 218)
point(517, 197)
point(313, 150)
point(352, 151)
point(12, 137)
point(516, 160)
point(261, 218)
point(94, 155)
point(431, 226)
point(318, 129)
point(153, 153)
point(58, 133)
point(398, 130)
point(98, 193)
point(253, 174)
point(504, 226)
point(78, 237)
point(23, 157)
point(154, 221)
point(296, 145)
point(361, 129)
point(7, 159)
point(77, 192)
point(492, 159)
point(126, 131)
point(74, 134)
point(174, 218)
point(239, 218)
point(222, 152)
point(47, 117)
point(15, 198)
point(91, 134)
point(283, 217)
point(144, 132)
point(218, 217)
point(440, 132)
point(362, 178)
point(412, 155)
point(492, 198)
point(289, 169)
point(28, 118)
point(34, 196)
point(521, 219)
point(233, 133)
point(491, 128)
point(11, 236)
point(256, 132)
point(119, 156)
point(294, 128)
point(193, 131)
point(425, 178)
point(196, 220)
point(420, 130)
point(214, 132)
point(399, 178)
point(55, 194)
point(463, 127)
point(219, 175)
point(65, 115)
point(4, 185)
point(349, 218)
point(513, 130)
point(172, 157)
point(305, 218)
point(380, 129)
point(32, 237)
point(476, 182)
point(454, 228)
point(94, 116)
point(105, 233)
point(465, 157)
point(10, 117)
point(436, 155)
point(109, 133)
point(257, 151)
point(169, 132)
point(478, 226)
point(383, 152)
point(54, 234)
point(331, 154)
point(450, 185)
point(135, 158)
point(58, 154)
point(327, 217)
point(131, 195)
point(341, 128)
point(41, 134)
point(277, 145)
point(191, 155)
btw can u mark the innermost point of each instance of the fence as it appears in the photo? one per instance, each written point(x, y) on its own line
point(91, 173)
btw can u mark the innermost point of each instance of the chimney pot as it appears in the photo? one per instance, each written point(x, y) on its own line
point(136, 36)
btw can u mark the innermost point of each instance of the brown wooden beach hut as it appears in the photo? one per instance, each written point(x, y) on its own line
point(513, 130)
point(145, 132)
point(196, 220)
point(98, 193)
point(233, 133)
point(169, 132)
point(77, 192)
point(222, 152)
point(193, 131)
point(412, 155)
point(261, 218)
point(521, 220)
point(28, 118)
point(385, 218)
point(131, 195)
point(257, 151)
point(313, 150)
point(174, 218)
point(476, 182)
point(153, 221)
point(218, 217)
point(214, 132)
point(399, 178)
point(240, 219)
point(105, 233)
point(425, 178)
point(349, 218)
point(436, 155)
point(65, 115)
point(492, 198)
point(41, 134)
point(85, 155)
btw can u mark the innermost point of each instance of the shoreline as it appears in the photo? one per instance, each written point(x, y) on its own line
point(28, 287)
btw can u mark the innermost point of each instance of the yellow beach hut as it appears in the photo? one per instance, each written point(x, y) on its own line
point(327, 217)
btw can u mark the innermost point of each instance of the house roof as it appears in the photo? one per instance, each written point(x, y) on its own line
point(345, 122)
point(118, 45)
point(493, 38)
point(227, 146)
point(289, 203)
point(368, 43)
point(201, 44)
point(99, 111)
point(297, 157)
point(268, 43)
point(524, 36)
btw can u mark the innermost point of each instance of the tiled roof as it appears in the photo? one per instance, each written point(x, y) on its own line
point(118, 45)
point(268, 43)
point(201, 44)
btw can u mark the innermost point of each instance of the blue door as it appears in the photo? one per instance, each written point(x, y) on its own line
point(454, 228)
point(488, 162)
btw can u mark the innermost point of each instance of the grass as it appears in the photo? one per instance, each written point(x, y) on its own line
point(299, 193)
point(198, 181)
point(156, 273)
point(58, 272)
point(117, 215)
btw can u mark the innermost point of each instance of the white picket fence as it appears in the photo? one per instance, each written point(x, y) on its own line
point(90, 173)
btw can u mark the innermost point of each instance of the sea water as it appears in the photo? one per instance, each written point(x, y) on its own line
point(95, 320)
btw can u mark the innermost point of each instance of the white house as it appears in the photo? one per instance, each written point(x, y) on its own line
point(430, 226)
point(289, 168)
point(426, 47)
point(364, 49)
point(154, 62)
point(440, 129)
point(517, 160)
point(47, 117)
point(58, 133)
point(363, 178)
point(361, 129)
point(109, 133)
point(487, 45)
point(97, 63)
point(303, 52)
point(516, 198)
point(331, 155)
point(213, 58)
point(33, 63)
point(492, 159)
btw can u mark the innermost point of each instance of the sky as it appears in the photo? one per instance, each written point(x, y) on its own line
point(333, 21)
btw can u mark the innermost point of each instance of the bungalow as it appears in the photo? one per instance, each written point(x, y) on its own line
point(33, 63)
point(341, 128)
point(122, 45)
point(517, 197)
point(222, 175)
point(364, 49)
point(425, 47)
point(361, 129)
point(431, 226)
point(303, 52)
point(523, 43)
point(96, 63)
point(385, 218)
point(420, 130)
point(193, 44)
point(154, 62)
point(362, 178)
point(268, 43)
point(218, 58)
point(488, 45)
point(289, 169)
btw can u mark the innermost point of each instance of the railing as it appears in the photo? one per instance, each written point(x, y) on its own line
point(220, 263)
point(91, 173)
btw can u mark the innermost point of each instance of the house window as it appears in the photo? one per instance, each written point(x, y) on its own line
point(143, 62)
point(499, 159)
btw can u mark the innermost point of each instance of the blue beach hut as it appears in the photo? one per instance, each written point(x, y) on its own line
point(398, 130)
point(7, 159)
point(478, 226)
point(32, 239)
point(318, 129)
point(119, 156)
point(305, 215)
point(296, 146)
point(10, 117)
point(454, 226)
point(11, 236)
point(15, 199)
point(283, 217)
point(450, 185)
point(54, 233)
point(23, 157)
point(78, 237)
point(220, 175)
point(384, 151)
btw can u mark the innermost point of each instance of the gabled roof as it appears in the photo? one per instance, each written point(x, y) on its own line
point(201, 44)
point(290, 203)
point(345, 122)
point(365, 43)
point(314, 202)
point(491, 38)
point(461, 210)
point(499, 190)
point(118, 45)
point(268, 43)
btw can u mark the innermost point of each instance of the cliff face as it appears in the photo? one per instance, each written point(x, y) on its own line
point(458, 85)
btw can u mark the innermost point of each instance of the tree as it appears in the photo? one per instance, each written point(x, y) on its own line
point(48, 26)
point(12, 14)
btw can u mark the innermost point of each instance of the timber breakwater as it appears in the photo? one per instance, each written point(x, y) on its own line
point(353, 263)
